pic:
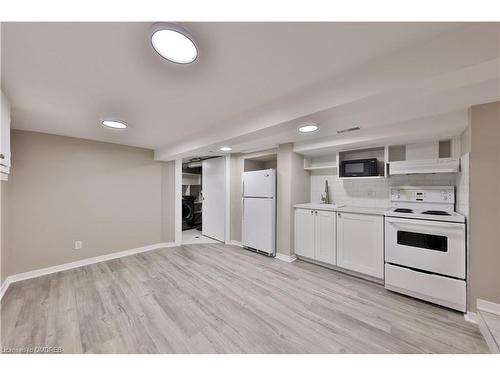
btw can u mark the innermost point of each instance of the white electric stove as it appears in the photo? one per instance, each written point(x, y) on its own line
point(425, 245)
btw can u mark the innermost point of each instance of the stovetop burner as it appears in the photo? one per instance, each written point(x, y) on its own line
point(404, 210)
point(432, 212)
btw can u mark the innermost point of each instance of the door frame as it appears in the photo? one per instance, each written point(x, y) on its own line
point(178, 201)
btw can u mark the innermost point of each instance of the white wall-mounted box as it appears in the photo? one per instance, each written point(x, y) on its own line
point(4, 137)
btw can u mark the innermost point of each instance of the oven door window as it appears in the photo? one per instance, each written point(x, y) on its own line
point(423, 241)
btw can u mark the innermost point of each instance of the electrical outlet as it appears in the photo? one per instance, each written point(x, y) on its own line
point(78, 245)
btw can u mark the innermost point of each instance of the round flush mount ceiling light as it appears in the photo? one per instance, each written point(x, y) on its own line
point(174, 43)
point(114, 124)
point(225, 148)
point(309, 128)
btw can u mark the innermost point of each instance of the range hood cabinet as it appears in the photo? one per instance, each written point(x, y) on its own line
point(441, 165)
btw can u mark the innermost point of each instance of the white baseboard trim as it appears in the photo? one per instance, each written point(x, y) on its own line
point(235, 243)
point(491, 307)
point(79, 263)
point(470, 317)
point(286, 258)
point(488, 336)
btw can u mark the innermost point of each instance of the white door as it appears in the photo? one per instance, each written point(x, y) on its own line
point(360, 243)
point(304, 233)
point(214, 198)
point(259, 183)
point(258, 224)
point(325, 237)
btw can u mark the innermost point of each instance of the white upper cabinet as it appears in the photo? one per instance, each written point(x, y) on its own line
point(4, 137)
point(360, 243)
point(315, 235)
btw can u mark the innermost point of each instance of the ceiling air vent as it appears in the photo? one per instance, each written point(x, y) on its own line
point(348, 130)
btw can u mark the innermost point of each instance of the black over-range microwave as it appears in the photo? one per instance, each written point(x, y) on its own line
point(359, 168)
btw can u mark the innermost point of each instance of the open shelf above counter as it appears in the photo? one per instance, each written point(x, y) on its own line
point(332, 161)
point(430, 157)
point(320, 162)
point(439, 156)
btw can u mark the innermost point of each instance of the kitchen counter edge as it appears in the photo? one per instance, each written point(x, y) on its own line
point(341, 208)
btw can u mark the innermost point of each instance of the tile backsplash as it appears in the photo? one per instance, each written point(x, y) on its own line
point(376, 192)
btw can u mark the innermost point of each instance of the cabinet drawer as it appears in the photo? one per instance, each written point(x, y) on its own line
point(441, 290)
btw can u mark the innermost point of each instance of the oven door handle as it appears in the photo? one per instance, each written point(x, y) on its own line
point(439, 224)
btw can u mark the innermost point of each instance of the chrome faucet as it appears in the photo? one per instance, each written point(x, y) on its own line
point(325, 199)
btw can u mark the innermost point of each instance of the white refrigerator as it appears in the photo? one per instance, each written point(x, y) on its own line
point(258, 230)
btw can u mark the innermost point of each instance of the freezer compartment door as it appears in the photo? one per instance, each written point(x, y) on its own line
point(259, 224)
point(259, 183)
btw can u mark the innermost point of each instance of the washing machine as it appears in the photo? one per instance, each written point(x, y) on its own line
point(188, 215)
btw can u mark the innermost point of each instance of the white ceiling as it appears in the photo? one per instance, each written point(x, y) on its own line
point(252, 84)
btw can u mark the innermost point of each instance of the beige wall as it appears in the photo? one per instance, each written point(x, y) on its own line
point(168, 202)
point(63, 189)
point(252, 165)
point(257, 165)
point(294, 186)
point(484, 273)
point(235, 197)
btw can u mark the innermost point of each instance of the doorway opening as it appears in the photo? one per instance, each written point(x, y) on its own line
point(203, 200)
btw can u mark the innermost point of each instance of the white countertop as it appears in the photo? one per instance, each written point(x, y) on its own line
point(363, 210)
point(342, 208)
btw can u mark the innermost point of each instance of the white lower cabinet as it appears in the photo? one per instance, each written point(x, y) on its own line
point(360, 243)
point(315, 235)
point(324, 237)
point(304, 233)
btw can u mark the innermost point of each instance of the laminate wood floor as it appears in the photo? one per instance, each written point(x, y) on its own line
point(223, 299)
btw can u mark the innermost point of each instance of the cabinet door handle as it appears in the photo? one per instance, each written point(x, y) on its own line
point(338, 214)
point(316, 213)
point(312, 212)
point(2, 156)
